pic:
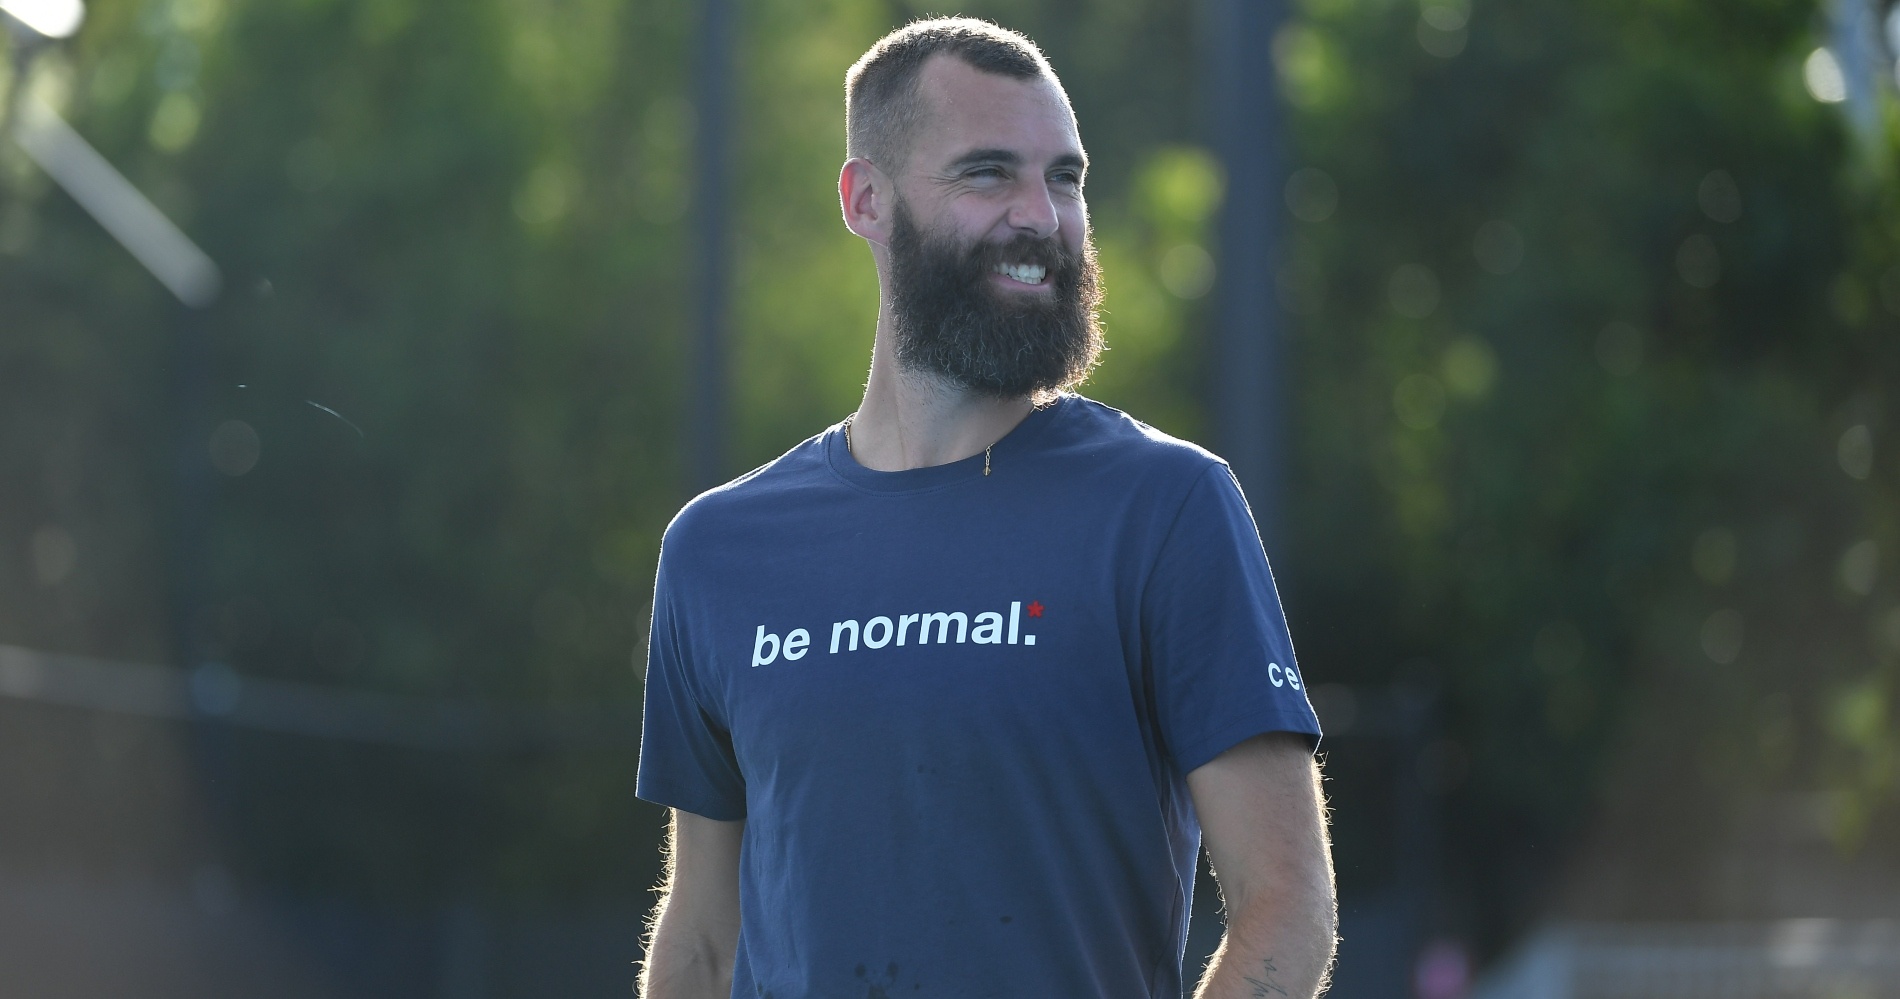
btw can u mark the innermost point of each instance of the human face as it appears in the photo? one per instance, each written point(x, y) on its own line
point(1008, 306)
point(996, 159)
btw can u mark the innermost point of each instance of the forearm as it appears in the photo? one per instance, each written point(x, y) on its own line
point(1273, 952)
point(696, 923)
point(682, 963)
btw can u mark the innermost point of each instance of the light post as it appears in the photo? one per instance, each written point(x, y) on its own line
point(165, 251)
point(1251, 405)
point(707, 411)
point(46, 19)
point(177, 263)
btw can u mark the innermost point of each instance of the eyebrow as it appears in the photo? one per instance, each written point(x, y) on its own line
point(1006, 157)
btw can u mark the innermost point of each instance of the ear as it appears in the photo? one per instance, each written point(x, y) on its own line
point(866, 194)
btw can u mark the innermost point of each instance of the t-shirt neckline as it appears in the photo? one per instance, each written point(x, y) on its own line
point(1013, 445)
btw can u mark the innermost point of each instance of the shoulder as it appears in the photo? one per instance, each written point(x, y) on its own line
point(777, 485)
point(1170, 491)
point(1104, 438)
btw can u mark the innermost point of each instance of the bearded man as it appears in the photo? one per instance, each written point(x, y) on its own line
point(945, 700)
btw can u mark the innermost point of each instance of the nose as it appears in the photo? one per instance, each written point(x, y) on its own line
point(1034, 211)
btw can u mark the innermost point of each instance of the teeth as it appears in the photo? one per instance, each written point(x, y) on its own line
point(1026, 273)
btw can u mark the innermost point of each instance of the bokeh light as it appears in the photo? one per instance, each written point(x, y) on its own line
point(1413, 290)
point(1699, 262)
point(1722, 636)
point(49, 18)
point(235, 447)
point(1619, 348)
point(1822, 75)
point(1719, 197)
point(1855, 451)
point(1498, 246)
point(1311, 195)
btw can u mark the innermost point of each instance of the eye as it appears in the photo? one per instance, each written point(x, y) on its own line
point(984, 171)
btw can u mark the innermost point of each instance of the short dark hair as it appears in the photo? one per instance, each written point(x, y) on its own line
point(882, 106)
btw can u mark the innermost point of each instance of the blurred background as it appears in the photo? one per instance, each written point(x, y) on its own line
point(355, 353)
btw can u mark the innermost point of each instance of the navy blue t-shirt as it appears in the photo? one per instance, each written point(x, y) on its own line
point(957, 711)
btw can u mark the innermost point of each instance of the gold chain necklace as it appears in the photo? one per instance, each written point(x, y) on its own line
point(853, 452)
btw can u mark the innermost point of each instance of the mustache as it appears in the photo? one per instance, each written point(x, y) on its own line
point(1047, 252)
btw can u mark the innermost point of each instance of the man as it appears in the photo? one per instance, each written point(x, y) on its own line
point(944, 699)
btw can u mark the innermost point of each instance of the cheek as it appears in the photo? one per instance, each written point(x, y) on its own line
point(957, 223)
point(1074, 227)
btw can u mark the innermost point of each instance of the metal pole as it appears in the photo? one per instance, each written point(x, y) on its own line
point(706, 410)
point(1245, 125)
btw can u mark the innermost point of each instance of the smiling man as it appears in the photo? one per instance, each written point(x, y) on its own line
point(945, 701)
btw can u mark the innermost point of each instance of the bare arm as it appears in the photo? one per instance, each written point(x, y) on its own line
point(1265, 832)
point(695, 927)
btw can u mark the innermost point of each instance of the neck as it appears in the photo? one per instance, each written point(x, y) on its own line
point(911, 419)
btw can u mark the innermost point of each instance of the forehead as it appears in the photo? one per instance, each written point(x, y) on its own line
point(967, 108)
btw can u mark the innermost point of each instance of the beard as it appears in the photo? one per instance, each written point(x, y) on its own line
point(949, 322)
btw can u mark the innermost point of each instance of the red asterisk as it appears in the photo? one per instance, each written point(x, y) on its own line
point(1035, 608)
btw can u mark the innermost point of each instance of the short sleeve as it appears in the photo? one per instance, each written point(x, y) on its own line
point(686, 756)
point(1219, 656)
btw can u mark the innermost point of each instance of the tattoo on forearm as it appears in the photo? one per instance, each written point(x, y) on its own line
point(1266, 985)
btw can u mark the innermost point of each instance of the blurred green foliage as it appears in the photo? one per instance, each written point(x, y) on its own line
point(1594, 319)
point(1594, 373)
